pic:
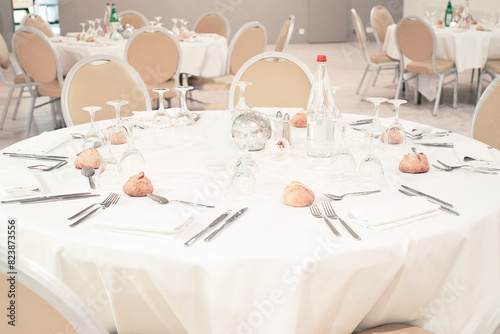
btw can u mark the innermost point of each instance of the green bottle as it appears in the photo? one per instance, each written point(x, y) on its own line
point(114, 15)
point(448, 14)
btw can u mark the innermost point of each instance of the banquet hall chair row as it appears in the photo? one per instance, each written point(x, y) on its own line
point(37, 22)
point(491, 68)
point(17, 82)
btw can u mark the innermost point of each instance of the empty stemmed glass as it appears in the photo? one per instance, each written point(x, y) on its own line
point(376, 127)
point(175, 28)
point(119, 134)
point(370, 171)
point(93, 138)
point(184, 116)
point(132, 161)
point(241, 106)
point(158, 19)
point(184, 31)
point(84, 32)
point(395, 134)
point(108, 174)
point(242, 138)
point(161, 120)
point(90, 31)
point(343, 163)
point(99, 31)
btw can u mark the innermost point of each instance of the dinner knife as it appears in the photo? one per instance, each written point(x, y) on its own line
point(361, 122)
point(419, 193)
point(34, 156)
point(226, 224)
point(450, 145)
point(442, 207)
point(212, 224)
point(56, 198)
point(50, 197)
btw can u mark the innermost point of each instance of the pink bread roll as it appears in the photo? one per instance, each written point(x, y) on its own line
point(297, 194)
point(394, 137)
point(90, 157)
point(299, 120)
point(138, 185)
point(414, 163)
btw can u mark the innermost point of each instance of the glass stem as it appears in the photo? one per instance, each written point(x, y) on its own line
point(117, 110)
point(242, 102)
point(183, 100)
point(92, 114)
point(160, 101)
point(377, 113)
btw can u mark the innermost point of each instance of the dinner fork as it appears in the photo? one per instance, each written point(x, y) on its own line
point(330, 213)
point(110, 197)
point(479, 169)
point(101, 207)
point(47, 168)
point(316, 213)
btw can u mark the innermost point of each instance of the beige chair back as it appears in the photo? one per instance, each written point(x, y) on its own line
point(37, 22)
point(134, 18)
point(213, 23)
point(94, 81)
point(380, 19)
point(4, 54)
point(278, 80)
point(250, 40)
point(415, 39)
point(486, 121)
point(359, 28)
point(285, 34)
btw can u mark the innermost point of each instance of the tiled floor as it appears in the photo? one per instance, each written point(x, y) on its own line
point(345, 66)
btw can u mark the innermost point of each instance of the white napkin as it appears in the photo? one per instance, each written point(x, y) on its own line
point(157, 218)
point(398, 210)
point(24, 184)
point(468, 151)
point(43, 143)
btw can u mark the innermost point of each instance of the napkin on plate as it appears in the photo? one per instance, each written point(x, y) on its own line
point(398, 210)
point(156, 218)
point(43, 143)
point(473, 151)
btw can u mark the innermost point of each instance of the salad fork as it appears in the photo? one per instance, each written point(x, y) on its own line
point(111, 197)
point(330, 213)
point(316, 213)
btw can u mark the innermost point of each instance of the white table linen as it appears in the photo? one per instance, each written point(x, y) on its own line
point(276, 269)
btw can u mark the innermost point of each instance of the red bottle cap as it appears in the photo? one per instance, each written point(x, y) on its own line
point(321, 59)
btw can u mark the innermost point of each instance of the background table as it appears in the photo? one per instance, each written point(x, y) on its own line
point(277, 269)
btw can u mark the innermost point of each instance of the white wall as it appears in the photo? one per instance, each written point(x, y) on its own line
point(416, 7)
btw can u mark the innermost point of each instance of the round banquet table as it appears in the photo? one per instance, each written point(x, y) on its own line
point(202, 55)
point(276, 269)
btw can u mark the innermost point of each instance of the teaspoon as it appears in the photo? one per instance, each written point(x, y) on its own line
point(88, 172)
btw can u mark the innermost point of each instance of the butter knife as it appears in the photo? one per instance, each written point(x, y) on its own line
point(419, 193)
point(450, 145)
point(49, 197)
point(442, 207)
point(212, 224)
point(226, 224)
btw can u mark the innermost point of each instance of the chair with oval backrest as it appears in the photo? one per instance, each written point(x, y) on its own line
point(376, 62)
point(37, 22)
point(95, 80)
point(134, 18)
point(492, 68)
point(486, 120)
point(41, 68)
point(213, 23)
point(44, 304)
point(278, 80)
point(18, 81)
point(285, 34)
point(417, 43)
point(155, 54)
point(380, 19)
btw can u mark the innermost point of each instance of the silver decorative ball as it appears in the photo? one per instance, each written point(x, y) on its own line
point(258, 127)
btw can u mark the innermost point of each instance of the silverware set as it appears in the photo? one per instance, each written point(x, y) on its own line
point(48, 168)
point(445, 206)
point(113, 198)
point(36, 156)
point(478, 169)
point(330, 213)
point(51, 198)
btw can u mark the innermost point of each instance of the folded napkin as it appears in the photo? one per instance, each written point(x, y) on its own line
point(18, 182)
point(473, 151)
point(43, 143)
point(398, 210)
point(156, 218)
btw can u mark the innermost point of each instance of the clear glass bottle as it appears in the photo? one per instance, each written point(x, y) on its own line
point(107, 16)
point(320, 114)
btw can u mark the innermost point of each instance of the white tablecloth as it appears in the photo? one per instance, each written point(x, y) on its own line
point(468, 49)
point(202, 55)
point(276, 269)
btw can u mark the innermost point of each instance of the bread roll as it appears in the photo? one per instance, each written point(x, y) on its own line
point(138, 185)
point(414, 163)
point(297, 194)
point(299, 120)
point(90, 157)
point(394, 137)
point(480, 28)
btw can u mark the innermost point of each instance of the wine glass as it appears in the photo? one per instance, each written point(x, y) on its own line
point(90, 31)
point(343, 163)
point(243, 185)
point(184, 31)
point(175, 29)
point(376, 126)
point(93, 138)
point(99, 30)
point(243, 129)
point(370, 171)
point(395, 134)
point(84, 32)
point(108, 174)
point(161, 120)
point(241, 106)
point(158, 19)
point(132, 161)
point(184, 116)
point(119, 135)
point(336, 110)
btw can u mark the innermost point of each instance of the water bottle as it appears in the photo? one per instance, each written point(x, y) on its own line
point(107, 16)
point(320, 114)
point(448, 15)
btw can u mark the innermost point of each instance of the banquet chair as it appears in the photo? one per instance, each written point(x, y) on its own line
point(44, 304)
point(376, 62)
point(492, 68)
point(155, 54)
point(417, 43)
point(37, 22)
point(285, 34)
point(213, 23)
point(18, 81)
point(380, 19)
point(485, 125)
point(278, 80)
point(134, 18)
point(41, 69)
point(395, 329)
point(95, 80)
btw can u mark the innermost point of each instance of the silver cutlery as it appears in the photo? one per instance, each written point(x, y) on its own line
point(47, 168)
point(361, 122)
point(211, 225)
point(163, 200)
point(36, 156)
point(48, 198)
point(101, 207)
point(330, 213)
point(88, 172)
point(226, 224)
point(339, 197)
point(419, 193)
point(316, 213)
point(111, 197)
point(448, 145)
point(475, 168)
point(442, 207)
point(416, 135)
point(21, 189)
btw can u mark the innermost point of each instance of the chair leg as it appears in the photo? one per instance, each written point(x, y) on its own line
point(6, 108)
point(18, 103)
point(438, 95)
point(455, 91)
point(400, 83)
point(376, 77)
point(362, 79)
point(30, 116)
point(53, 111)
point(368, 84)
point(479, 86)
point(472, 76)
point(415, 94)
